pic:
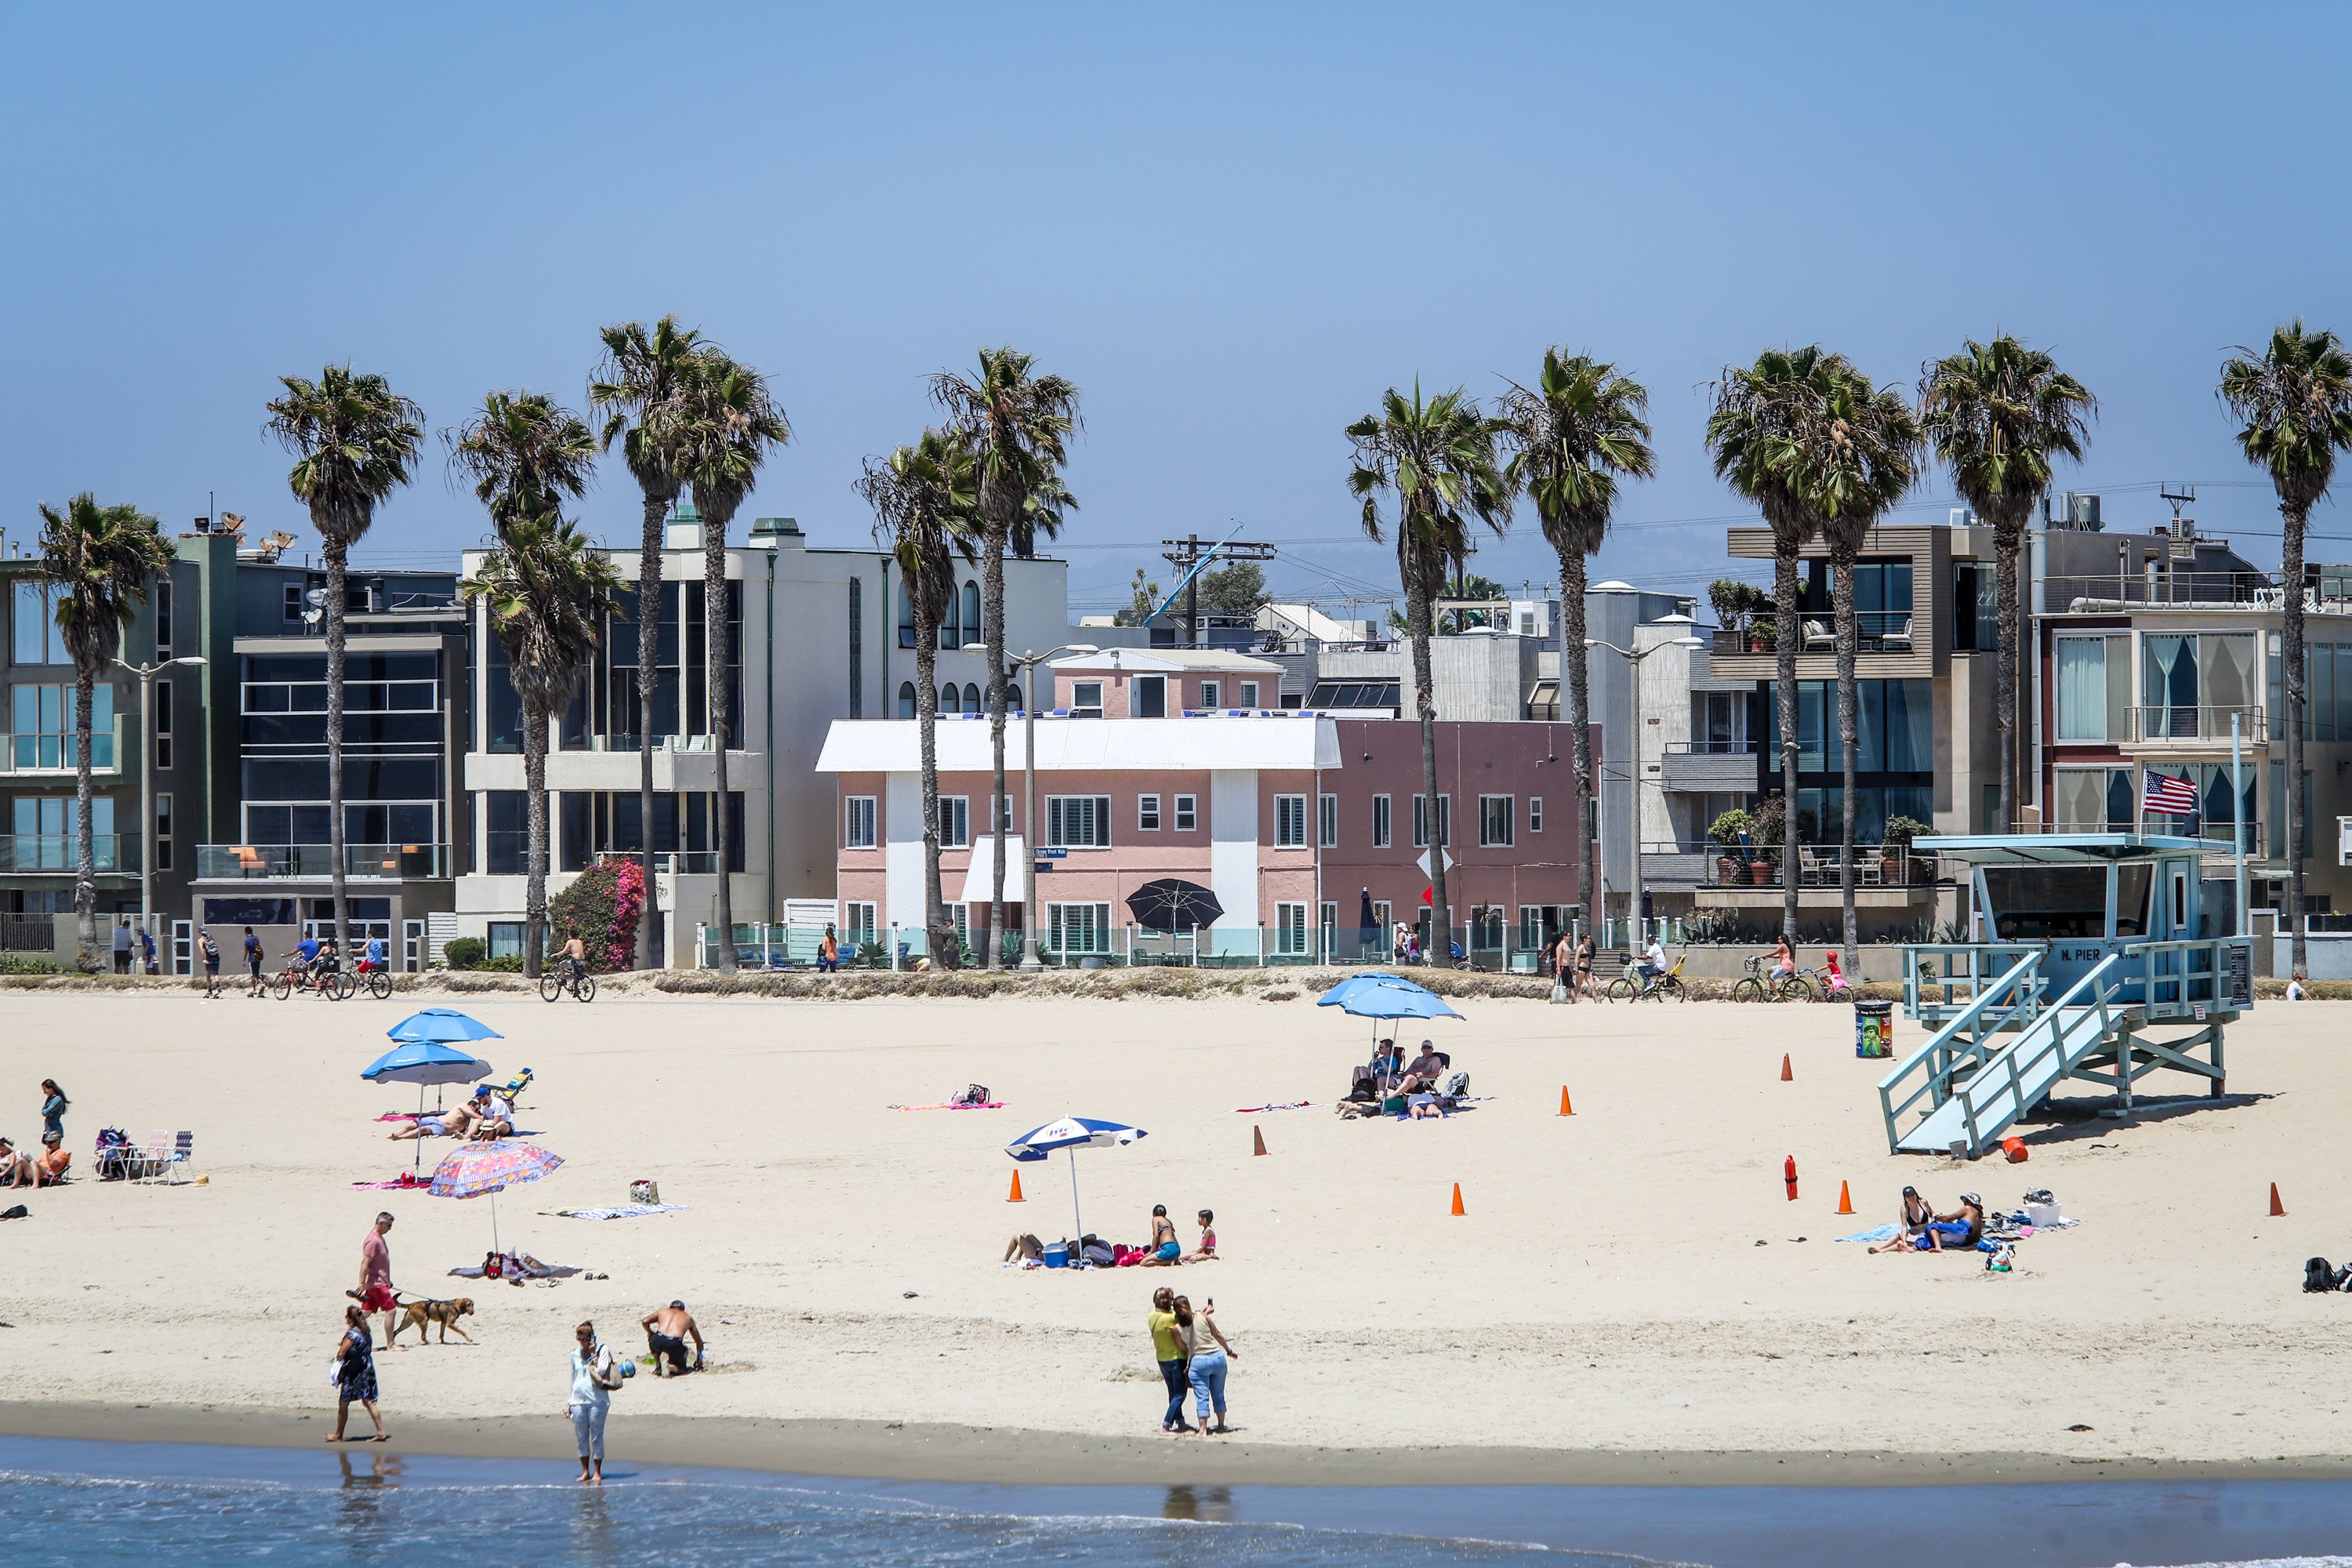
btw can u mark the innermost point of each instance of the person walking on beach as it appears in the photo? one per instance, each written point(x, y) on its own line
point(209, 951)
point(355, 1375)
point(594, 1374)
point(53, 1106)
point(1585, 984)
point(375, 1274)
point(1168, 1348)
point(1207, 1354)
point(1563, 964)
point(252, 964)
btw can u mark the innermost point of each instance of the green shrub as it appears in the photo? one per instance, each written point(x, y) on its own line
point(507, 963)
point(602, 908)
point(463, 953)
point(28, 963)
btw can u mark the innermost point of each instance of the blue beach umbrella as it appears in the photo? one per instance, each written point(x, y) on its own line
point(424, 1061)
point(1375, 995)
point(1073, 1133)
point(444, 1023)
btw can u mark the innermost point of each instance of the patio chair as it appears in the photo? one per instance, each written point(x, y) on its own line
point(152, 1161)
point(1898, 642)
point(183, 1153)
point(1811, 866)
point(1818, 638)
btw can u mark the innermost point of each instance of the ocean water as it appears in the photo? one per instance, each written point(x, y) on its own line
point(95, 1505)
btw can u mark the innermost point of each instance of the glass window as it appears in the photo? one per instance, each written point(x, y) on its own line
point(38, 639)
point(955, 822)
point(2082, 689)
point(856, 649)
point(858, 924)
point(1496, 818)
point(1151, 696)
point(973, 629)
point(1911, 727)
point(2032, 902)
point(1535, 814)
point(1249, 693)
point(1078, 928)
point(1290, 822)
point(857, 821)
point(1327, 826)
point(2132, 883)
point(1420, 820)
point(43, 733)
point(2095, 800)
point(1147, 812)
point(2168, 685)
point(905, 699)
point(1086, 699)
point(1079, 821)
point(906, 616)
point(1289, 928)
point(1207, 694)
point(2226, 670)
point(1380, 821)
point(1187, 814)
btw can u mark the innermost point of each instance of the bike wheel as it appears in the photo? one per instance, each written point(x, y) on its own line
point(551, 986)
point(1748, 990)
point(346, 987)
point(1620, 989)
point(1798, 989)
point(284, 988)
point(586, 989)
point(380, 985)
point(1672, 988)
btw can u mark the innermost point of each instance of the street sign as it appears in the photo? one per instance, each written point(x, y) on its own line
point(1423, 863)
point(1043, 865)
point(1052, 854)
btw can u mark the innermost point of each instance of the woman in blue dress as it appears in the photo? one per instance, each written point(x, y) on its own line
point(355, 1375)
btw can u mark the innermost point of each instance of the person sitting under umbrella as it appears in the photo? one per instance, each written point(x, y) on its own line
point(496, 1115)
point(1421, 1073)
point(458, 1123)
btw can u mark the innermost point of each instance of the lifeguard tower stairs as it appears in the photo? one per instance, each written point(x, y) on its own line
point(2104, 977)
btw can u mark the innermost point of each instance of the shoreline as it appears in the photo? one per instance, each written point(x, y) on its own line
point(987, 1455)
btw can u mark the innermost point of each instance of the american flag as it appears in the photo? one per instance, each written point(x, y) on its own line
point(2175, 797)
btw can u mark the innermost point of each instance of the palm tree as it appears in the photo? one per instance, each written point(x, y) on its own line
point(104, 558)
point(2295, 399)
point(1438, 459)
point(1766, 415)
point(356, 442)
point(1854, 478)
point(719, 425)
point(1017, 426)
point(2000, 414)
point(550, 593)
point(925, 508)
point(525, 454)
point(1578, 432)
point(640, 374)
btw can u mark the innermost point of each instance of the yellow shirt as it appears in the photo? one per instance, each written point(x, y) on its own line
point(1164, 1342)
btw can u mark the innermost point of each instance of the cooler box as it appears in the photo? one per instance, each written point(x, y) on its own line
point(1057, 1255)
point(2042, 1214)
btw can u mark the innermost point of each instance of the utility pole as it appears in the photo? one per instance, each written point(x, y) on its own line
point(1189, 556)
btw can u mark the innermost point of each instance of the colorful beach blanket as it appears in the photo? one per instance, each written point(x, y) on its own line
point(945, 1105)
point(625, 1211)
point(390, 1186)
point(1292, 1105)
point(1875, 1234)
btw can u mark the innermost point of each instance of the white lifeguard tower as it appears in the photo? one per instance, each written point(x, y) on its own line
point(2095, 937)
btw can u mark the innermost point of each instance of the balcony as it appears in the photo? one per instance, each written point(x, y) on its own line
point(2211, 726)
point(1883, 874)
point(1887, 644)
point(1698, 767)
point(54, 756)
point(54, 854)
point(315, 862)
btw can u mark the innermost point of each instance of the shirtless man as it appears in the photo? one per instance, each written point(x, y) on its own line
point(1424, 1070)
point(666, 1330)
point(573, 958)
point(458, 1123)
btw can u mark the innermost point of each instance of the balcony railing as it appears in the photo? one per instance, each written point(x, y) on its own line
point(2197, 724)
point(1875, 631)
point(54, 854)
point(1875, 864)
point(1711, 748)
point(56, 754)
point(270, 862)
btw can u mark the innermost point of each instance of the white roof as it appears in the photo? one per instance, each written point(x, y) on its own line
point(1148, 659)
point(1311, 622)
point(893, 746)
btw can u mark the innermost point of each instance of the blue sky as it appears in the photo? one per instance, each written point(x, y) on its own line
point(1233, 226)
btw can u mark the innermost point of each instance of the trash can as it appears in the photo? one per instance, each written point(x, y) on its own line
point(1874, 1029)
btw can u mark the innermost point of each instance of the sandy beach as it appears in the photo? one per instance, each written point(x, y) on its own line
point(1602, 1311)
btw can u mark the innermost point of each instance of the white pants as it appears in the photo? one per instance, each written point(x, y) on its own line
point(588, 1427)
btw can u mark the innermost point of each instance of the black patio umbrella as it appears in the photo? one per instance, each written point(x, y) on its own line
point(1368, 930)
point(1172, 904)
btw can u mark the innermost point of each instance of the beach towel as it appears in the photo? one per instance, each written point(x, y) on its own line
point(526, 1266)
point(945, 1105)
point(1291, 1105)
point(390, 1186)
point(1876, 1235)
point(625, 1211)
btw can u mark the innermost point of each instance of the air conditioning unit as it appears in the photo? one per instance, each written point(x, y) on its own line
point(2183, 533)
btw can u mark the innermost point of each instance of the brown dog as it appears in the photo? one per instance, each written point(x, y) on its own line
point(420, 1315)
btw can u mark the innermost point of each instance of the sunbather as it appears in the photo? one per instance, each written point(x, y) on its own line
point(1208, 1248)
point(1424, 1070)
point(458, 1123)
point(1023, 1244)
point(49, 1165)
point(16, 1171)
point(1424, 1108)
point(1917, 1215)
point(1166, 1250)
point(1958, 1231)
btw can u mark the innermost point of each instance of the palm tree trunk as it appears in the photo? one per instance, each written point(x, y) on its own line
point(652, 950)
point(2008, 536)
point(1784, 603)
point(534, 786)
point(991, 588)
point(937, 937)
point(1425, 698)
point(335, 551)
point(715, 661)
point(2291, 579)
point(84, 839)
point(1841, 599)
point(1574, 671)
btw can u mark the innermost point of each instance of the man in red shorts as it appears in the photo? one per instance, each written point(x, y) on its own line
point(375, 1275)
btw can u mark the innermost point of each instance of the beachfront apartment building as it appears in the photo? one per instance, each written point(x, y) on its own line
point(1155, 763)
point(816, 635)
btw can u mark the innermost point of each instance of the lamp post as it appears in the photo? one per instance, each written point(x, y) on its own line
point(1027, 663)
point(1633, 682)
point(147, 674)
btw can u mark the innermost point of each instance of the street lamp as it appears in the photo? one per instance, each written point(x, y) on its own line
point(147, 674)
point(1634, 680)
point(1027, 663)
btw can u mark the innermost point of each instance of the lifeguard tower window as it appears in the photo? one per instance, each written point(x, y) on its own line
point(2132, 881)
point(2038, 902)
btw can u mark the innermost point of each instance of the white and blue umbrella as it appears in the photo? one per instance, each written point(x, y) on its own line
point(1073, 1133)
point(1374, 995)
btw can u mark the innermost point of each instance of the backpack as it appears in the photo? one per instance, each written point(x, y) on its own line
point(1457, 1087)
point(2318, 1276)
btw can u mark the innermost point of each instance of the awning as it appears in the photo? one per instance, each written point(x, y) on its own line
point(2064, 848)
point(984, 868)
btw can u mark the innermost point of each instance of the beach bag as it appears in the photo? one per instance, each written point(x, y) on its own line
point(644, 1192)
point(1457, 1087)
point(975, 1095)
point(611, 1379)
point(1559, 992)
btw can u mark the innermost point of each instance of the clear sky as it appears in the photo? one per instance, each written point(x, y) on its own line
point(1233, 226)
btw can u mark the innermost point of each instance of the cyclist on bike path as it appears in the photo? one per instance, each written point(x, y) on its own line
point(375, 952)
point(573, 960)
point(1652, 964)
point(305, 954)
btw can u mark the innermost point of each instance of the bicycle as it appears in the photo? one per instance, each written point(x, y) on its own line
point(558, 980)
point(294, 977)
point(1626, 988)
point(376, 977)
point(1760, 987)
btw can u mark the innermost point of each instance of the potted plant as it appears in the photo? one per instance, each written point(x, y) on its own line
point(1766, 830)
point(1895, 852)
point(1727, 831)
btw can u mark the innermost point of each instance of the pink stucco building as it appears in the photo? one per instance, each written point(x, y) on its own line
point(1160, 763)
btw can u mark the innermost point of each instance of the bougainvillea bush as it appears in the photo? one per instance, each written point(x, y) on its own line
point(602, 906)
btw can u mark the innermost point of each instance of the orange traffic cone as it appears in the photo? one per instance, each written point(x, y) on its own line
point(1016, 1196)
point(1845, 1199)
point(2277, 1208)
point(1457, 1199)
point(1257, 1138)
point(1786, 1075)
point(1565, 1109)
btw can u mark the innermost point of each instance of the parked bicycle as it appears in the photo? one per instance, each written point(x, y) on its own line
point(1629, 986)
point(563, 978)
